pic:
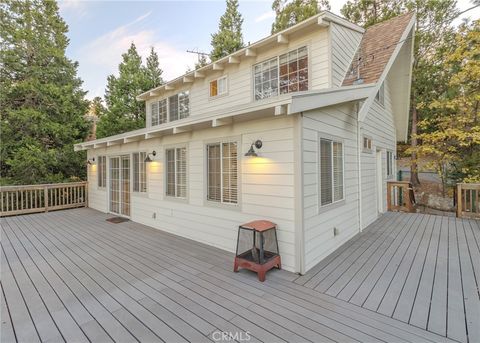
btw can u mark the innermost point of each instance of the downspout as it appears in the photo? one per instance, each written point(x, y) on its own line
point(359, 160)
point(298, 182)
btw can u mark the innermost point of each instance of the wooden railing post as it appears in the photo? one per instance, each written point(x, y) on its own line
point(459, 200)
point(400, 196)
point(45, 197)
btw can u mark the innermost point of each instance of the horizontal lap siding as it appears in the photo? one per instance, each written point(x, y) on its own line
point(97, 197)
point(379, 125)
point(338, 121)
point(345, 43)
point(266, 186)
point(240, 76)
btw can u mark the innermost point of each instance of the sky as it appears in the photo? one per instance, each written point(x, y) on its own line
point(100, 31)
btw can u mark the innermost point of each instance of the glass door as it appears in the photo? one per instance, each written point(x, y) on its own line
point(120, 185)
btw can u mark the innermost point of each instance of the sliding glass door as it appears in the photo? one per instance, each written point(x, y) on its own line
point(120, 185)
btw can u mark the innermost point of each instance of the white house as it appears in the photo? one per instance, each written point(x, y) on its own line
point(327, 99)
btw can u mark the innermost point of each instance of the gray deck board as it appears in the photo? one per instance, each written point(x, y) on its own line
point(128, 282)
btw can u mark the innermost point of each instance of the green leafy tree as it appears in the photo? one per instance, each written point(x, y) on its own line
point(229, 37)
point(433, 29)
point(451, 138)
point(202, 61)
point(124, 113)
point(152, 69)
point(42, 105)
point(289, 13)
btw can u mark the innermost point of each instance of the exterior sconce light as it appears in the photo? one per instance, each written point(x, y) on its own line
point(149, 159)
point(251, 152)
point(91, 161)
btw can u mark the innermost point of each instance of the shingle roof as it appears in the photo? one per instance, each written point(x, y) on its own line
point(377, 45)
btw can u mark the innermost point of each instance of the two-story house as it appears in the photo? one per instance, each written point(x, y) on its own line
point(328, 101)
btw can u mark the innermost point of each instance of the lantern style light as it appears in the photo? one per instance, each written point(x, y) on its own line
point(148, 158)
point(251, 152)
point(257, 248)
point(91, 161)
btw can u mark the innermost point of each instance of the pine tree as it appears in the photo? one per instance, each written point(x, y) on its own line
point(124, 113)
point(152, 69)
point(42, 105)
point(289, 13)
point(202, 61)
point(369, 12)
point(229, 37)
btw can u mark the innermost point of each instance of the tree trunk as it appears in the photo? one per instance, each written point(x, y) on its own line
point(413, 165)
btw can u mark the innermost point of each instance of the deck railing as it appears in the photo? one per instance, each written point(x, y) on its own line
point(16, 200)
point(468, 200)
point(400, 196)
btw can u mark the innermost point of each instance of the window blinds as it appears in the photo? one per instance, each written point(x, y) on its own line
point(222, 172)
point(331, 171)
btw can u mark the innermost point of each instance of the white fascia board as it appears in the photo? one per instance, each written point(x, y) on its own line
point(329, 97)
point(368, 103)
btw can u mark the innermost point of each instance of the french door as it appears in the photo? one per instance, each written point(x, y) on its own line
point(120, 185)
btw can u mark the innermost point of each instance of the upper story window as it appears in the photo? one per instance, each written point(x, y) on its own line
point(218, 87)
point(179, 106)
point(291, 76)
point(159, 112)
point(380, 96)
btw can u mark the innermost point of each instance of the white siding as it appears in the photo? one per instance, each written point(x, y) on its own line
point(240, 76)
point(266, 189)
point(345, 43)
point(319, 223)
point(379, 125)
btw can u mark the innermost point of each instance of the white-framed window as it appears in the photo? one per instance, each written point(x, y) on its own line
point(179, 106)
point(176, 172)
point(283, 74)
point(218, 87)
point(367, 144)
point(102, 171)
point(159, 112)
point(139, 172)
point(390, 164)
point(222, 172)
point(380, 96)
point(331, 171)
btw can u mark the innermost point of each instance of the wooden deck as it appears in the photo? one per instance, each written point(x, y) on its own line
point(72, 276)
point(419, 269)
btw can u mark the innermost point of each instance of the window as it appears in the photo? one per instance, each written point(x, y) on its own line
point(294, 71)
point(367, 144)
point(380, 96)
point(218, 87)
point(292, 76)
point(222, 183)
point(102, 171)
point(266, 79)
point(331, 171)
point(179, 106)
point(176, 172)
point(139, 172)
point(159, 112)
point(389, 163)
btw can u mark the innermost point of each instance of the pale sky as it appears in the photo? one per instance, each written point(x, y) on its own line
point(100, 31)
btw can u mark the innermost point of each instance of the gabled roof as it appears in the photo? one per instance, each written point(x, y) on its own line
point(376, 48)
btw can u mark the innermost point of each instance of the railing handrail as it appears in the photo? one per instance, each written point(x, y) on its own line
point(468, 200)
point(41, 186)
point(400, 196)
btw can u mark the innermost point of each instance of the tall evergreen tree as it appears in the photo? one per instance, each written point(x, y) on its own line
point(433, 27)
point(289, 13)
point(229, 37)
point(152, 69)
point(42, 105)
point(124, 113)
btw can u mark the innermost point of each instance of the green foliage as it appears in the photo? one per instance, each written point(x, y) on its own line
point(124, 113)
point(289, 13)
point(202, 61)
point(369, 12)
point(42, 105)
point(229, 37)
point(452, 136)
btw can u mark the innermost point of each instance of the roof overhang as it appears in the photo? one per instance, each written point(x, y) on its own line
point(328, 97)
point(322, 19)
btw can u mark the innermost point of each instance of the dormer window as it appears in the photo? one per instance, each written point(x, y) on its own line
point(218, 87)
point(287, 73)
point(159, 112)
point(179, 106)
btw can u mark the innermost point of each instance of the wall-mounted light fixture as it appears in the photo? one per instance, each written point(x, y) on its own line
point(251, 152)
point(148, 158)
point(91, 161)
